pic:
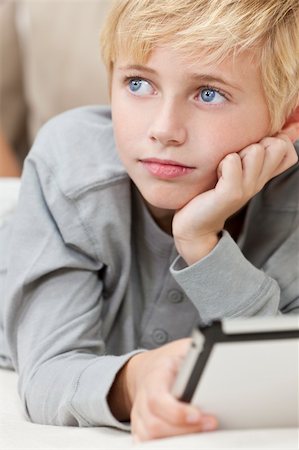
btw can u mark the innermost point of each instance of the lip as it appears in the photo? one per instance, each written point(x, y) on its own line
point(166, 168)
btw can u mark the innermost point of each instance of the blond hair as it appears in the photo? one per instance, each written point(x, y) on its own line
point(221, 28)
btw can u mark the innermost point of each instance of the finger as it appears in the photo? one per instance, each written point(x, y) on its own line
point(292, 131)
point(160, 402)
point(253, 158)
point(230, 189)
point(230, 170)
point(280, 156)
point(163, 405)
point(152, 427)
point(139, 429)
point(168, 408)
point(291, 156)
point(161, 430)
point(157, 400)
point(156, 413)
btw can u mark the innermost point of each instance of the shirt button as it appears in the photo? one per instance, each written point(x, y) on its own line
point(160, 336)
point(175, 296)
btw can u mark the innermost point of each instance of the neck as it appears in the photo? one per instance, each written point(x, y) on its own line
point(162, 217)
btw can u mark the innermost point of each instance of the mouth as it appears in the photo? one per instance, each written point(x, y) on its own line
point(165, 168)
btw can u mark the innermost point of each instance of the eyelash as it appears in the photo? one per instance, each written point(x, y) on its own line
point(129, 78)
point(212, 88)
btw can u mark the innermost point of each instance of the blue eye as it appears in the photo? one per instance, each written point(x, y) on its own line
point(140, 87)
point(210, 95)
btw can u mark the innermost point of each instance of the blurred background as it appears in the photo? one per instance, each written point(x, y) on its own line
point(49, 62)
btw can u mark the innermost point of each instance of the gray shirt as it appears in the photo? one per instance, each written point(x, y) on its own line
point(91, 279)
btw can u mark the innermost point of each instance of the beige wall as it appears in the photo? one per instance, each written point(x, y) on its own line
point(49, 62)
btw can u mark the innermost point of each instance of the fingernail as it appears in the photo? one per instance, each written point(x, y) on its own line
point(208, 425)
point(193, 417)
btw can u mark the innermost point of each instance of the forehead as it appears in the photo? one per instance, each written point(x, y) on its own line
point(167, 60)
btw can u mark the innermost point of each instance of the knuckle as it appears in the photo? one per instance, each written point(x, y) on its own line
point(271, 142)
point(266, 141)
point(278, 146)
point(258, 147)
point(178, 415)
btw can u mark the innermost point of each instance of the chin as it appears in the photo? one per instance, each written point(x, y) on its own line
point(167, 200)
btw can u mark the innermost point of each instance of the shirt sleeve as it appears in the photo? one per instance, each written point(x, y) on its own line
point(53, 314)
point(226, 284)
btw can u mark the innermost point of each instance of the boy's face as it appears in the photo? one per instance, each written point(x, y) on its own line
point(175, 119)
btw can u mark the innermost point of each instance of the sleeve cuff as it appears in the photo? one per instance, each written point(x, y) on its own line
point(89, 401)
point(226, 284)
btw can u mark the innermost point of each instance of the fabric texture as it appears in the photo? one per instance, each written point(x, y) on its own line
point(91, 279)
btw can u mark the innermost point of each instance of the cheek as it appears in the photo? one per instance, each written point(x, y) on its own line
point(237, 134)
point(128, 126)
point(210, 148)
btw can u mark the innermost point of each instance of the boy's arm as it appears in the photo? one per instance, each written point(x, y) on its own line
point(142, 391)
point(198, 225)
point(224, 283)
point(54, 298)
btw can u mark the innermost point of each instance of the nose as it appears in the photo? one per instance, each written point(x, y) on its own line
point(169, 125)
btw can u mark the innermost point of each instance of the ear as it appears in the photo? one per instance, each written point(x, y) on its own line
point(291, 127)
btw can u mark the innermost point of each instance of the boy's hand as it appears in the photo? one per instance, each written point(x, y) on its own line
point(155, 413)
point(240, 176)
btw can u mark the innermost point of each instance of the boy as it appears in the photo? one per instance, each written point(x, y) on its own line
point(116, 256)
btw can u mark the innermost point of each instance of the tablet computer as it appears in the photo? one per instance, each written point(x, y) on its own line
point(244, 371)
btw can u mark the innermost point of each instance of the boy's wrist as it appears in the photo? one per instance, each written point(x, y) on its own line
point(194, 250)
point(119, 398)
point(122, 392)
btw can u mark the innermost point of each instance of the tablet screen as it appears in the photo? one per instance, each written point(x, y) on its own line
point(245, 372)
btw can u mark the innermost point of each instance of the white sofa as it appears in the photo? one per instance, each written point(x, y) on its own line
point(16, 433)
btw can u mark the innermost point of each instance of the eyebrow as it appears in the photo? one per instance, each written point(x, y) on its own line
point(138, 67)
point(198, 77)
